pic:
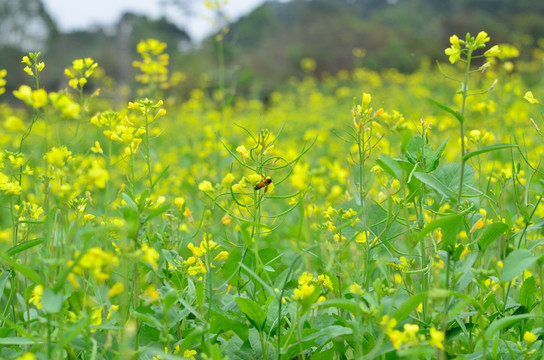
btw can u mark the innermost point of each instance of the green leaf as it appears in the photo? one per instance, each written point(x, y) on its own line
point(163, 172)
point(24, 246)
point(491, 233)
point(433, 183)
point(330, 332)
point(527, 293)
point(488, 149)
point(156, 212)
point(450, 175)
point(500, 324)
point(51, 301)
point(16, 341)
point(450, 228)
point(3, 281)
point(26, 271)
point(448, 110)
point(341, 304)
point(516, 262)
point(255, 314)
point(390, 166)
point(408, 306)
point(129, 201)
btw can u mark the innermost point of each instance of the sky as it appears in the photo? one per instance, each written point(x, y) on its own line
point(78, 14)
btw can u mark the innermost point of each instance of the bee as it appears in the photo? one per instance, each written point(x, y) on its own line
point(265, 181)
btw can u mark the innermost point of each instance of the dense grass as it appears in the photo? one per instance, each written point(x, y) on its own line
point(342, 219)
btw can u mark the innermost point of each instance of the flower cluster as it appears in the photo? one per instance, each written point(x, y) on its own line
point(306, 286)
point(459, 47)
point(81, 70)
point(197, 264)
point(154, 63)
point(95, 262)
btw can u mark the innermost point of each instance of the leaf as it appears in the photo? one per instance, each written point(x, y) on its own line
point(163, 172)
point(450, 228)
point(436, 157)
point(24, 246)
point(3, 281)
point(129, 201)
point(255, 314)
point(26, 271)
point(408, 306)
point(488, 149)
point(51, 301)
point(419, 153)
point(16, 341)
point(448, 110)
point(516, 262)
point(434, 183)
point(500, 324)
point(491, 233)
point(330, 332)
point(527, 293)
point(341, 304)
point(390, 166)
point(156, 212)
point(450, 174)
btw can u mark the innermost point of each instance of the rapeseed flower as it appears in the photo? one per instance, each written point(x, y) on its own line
point(36, 297)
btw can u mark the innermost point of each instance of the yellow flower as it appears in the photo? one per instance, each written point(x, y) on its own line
point(356, 289)
point(481, 39)
point(179, 202)
point(205, 186)
point(454, 52)
point(302, 292)
point(223, 255)
point(530, 98)
point(305, 278)
point(27, 356)
point(97, 175)
point(325, 280)
point(151, 293)
point(97, 148)
point(96, 317)
point(15, 124)
point(243, 152)
point(116, 289)
point(367, 98)
point(493, 51)
point(36, 297)
point(397, 337)
point(58, 156)
point(189, 354)
point(437, 338)
point(478, 225)
point(150, 255)
point(529, 337)
point(3, 81)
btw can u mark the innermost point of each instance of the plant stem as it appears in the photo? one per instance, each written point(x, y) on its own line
point(464, 91)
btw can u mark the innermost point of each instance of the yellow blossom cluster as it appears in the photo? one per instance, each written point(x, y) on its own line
point(95, 262)
point(198, 262)
point(410, 335)
point(3, 73)
point(81, 70)
point(307, 283)
point(154, 63)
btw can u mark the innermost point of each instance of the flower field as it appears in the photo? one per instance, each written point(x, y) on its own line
point(360, 215)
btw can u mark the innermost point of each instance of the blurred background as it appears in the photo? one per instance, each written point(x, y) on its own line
point(263, 42)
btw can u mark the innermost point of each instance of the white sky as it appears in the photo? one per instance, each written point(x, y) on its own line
point(80, 14)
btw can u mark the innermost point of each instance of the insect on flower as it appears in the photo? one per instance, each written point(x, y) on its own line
point(265, 181)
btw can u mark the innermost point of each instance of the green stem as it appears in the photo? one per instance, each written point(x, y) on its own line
point(148, 158)
point(464, 91)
